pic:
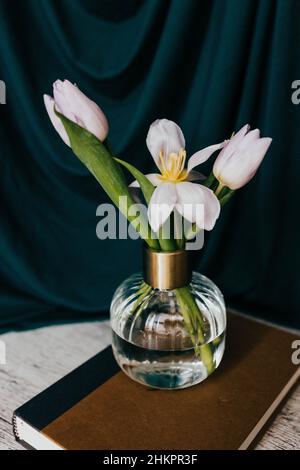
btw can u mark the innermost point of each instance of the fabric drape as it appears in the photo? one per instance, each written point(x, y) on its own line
point(209, 65)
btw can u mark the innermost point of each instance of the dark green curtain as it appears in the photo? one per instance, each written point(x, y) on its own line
point(209, 65)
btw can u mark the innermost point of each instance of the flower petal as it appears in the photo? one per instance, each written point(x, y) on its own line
point(202, 155)
point(77, 107)
point(165, 136)
point(241, 168)
point(198, 204)
point(222, 159)
point(162, 203)
point(229, 149)
point(61, 103)
point(57, 124)
point(240, 134)
point(195, 176)
point(249, 138)
point(154, 178)
point(91, 114)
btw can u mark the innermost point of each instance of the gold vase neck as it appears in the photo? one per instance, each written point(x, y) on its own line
point(166, 269)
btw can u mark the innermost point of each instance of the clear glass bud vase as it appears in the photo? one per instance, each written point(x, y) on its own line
point(168, 338)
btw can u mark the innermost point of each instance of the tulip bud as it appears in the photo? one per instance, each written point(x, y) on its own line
point(58, 125)
point(240, 158)
point(74, 105)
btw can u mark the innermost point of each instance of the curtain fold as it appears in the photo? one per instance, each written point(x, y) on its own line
point(211, 66)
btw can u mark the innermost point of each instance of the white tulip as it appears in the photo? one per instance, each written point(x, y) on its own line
point(74, 105)
point(240, 158)
point(174, 186)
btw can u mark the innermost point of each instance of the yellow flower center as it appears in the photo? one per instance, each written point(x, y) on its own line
point(172, 169)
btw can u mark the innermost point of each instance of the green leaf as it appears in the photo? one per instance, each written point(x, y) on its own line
point(95, 156)
point(146, 185)
point(147, 189)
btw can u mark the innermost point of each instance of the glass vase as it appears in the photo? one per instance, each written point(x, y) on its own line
point(168, 338)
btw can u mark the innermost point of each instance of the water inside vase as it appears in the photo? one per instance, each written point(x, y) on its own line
point(167, 369)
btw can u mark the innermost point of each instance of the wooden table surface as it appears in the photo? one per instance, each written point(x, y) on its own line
point(35, 359)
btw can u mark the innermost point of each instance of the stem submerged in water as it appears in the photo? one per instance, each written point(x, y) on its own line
point(195, 327)
point(193, 321)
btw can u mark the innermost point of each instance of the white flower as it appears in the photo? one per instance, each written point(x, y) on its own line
point(74, 105)
point(174, 189)
point(240, 158)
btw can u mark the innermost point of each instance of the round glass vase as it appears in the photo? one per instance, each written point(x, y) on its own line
point(168, 338)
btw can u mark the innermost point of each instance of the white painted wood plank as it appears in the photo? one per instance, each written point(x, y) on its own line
point(284, 433)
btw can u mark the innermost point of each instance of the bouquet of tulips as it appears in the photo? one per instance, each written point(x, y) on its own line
point(177, 187)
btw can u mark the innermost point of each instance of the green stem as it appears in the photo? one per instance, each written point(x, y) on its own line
point(225, 196)
point(195, 326)
point(191, 314)
point(206, 354)
point(141, 294)
point(141, 301)
point(142, 227)
point(181, 244)
point(165, 241)
point(179, 232)
point(192, 317)
point(210, 180)
point(219, 189)
point(167, 245)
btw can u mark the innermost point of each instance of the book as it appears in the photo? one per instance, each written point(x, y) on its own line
point(97, 407)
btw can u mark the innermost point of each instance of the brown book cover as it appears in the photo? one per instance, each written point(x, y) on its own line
point(98, 407)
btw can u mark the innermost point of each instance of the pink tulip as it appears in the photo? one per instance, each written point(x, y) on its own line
point(240, 158)
point(74, 105)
